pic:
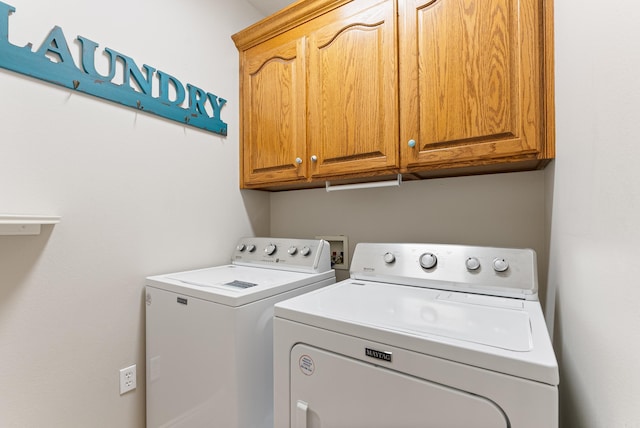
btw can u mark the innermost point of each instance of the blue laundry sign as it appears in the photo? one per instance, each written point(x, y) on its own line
point(53, 62)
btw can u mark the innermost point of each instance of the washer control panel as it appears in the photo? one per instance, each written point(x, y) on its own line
point(509, 272)
point(305, 255)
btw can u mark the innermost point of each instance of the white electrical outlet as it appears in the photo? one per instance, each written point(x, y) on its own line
point(127, 379)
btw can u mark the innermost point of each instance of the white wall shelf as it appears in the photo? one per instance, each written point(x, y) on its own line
point(12, 224)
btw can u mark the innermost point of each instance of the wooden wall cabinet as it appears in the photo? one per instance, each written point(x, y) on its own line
point(362, 89)
point(475, 85)
point(273, 115)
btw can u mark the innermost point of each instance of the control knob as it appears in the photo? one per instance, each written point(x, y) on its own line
point(270, 249)
point(305, 251)
point(389, 258)
point(473, 263)
point(292, 250)
point(428, 260)
point(500, 265)
point(251, 248)
point(240, 247)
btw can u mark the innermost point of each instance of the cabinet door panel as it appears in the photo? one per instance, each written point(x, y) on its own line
point(273, 113)
point(353, 101)
point(470, 89)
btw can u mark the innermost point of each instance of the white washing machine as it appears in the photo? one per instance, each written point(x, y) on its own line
point(421, 335)
point(209, 333)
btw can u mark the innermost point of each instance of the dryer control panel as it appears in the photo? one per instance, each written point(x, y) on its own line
point(300, 255)
point(508, 272)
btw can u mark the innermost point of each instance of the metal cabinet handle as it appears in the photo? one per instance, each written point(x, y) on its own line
point(412, 143)
point(314, 158)
point(298, 161)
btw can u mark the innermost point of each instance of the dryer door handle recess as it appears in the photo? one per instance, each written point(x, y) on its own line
point(301, 414)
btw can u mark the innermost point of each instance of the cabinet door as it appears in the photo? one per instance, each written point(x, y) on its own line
point(273, 107)
point(472, 85)
point(353, 91)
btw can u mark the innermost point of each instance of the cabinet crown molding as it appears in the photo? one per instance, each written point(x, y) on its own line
point(283, 21)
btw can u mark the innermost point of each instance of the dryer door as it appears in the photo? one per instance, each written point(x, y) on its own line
point(330, 390)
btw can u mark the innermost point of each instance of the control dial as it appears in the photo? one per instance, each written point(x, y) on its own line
point(472, 263)
point(251, 248)
point(500, 265)
point(389, 258)
point(428, 260)
point(292, 250)
point(270, 249)
point(240, 247)
point(305, 251)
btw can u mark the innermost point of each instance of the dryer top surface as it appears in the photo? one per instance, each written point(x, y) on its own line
point(497, 333)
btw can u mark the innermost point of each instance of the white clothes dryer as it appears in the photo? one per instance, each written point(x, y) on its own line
point(421, 335)
point(209, 333)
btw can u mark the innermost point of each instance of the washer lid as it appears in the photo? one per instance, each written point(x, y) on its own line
point(233, 285)
point(501, 334)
